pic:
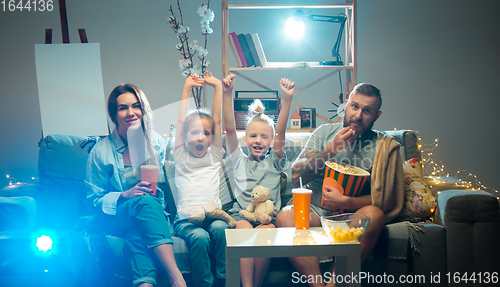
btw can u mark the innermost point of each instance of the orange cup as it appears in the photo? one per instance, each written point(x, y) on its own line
point(302, 207)
point(328, 181)
point(149, 173)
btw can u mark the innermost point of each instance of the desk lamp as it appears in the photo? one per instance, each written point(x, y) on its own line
point(295, 27)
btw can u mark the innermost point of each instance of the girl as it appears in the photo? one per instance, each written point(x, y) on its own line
point(114, 192)
point(262, 166)
point(198, 153)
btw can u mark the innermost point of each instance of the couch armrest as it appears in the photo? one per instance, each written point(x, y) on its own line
point(472, 222)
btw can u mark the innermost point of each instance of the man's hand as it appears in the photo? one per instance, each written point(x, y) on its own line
point(333, 199)
point(211, 80)
point(342, 140)
point(287, 88)
point(139, 189)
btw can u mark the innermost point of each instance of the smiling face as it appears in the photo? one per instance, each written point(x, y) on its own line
point(258, 138)
point(129, 113)
point(361, 112)
point(198, 135)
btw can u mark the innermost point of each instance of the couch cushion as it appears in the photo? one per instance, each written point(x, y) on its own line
point(409, 143)
point(61, 168)
point(17, 212)
point(419, 201)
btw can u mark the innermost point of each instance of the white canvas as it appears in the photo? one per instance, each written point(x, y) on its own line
point(70, 89)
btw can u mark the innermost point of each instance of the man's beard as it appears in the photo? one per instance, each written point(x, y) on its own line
point(364, 129)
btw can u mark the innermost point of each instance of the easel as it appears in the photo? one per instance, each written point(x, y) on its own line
point(64, 27)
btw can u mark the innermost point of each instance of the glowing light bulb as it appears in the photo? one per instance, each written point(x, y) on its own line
point(44, 243)
point(294, 27)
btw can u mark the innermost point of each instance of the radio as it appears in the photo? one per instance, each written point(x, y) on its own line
point(271, 105)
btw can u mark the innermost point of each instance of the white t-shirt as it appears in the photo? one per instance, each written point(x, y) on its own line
point(197, 179)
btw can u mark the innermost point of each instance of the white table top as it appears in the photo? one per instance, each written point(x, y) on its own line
point(261, 237)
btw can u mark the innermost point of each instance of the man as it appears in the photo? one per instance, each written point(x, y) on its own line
point(354, 143)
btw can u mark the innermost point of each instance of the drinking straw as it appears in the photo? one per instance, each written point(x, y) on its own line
point(300, 179)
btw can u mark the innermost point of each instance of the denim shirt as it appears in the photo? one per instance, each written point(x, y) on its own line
point(105, 177)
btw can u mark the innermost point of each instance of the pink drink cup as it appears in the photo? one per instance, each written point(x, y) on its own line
point(149, 173)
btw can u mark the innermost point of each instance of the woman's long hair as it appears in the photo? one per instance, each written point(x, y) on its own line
point(146, 120)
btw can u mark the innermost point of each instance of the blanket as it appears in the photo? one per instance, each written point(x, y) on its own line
point(387, 179)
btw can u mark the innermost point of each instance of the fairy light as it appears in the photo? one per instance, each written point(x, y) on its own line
point(12, 180)
point(435, 169)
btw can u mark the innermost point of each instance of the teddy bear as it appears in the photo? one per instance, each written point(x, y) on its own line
point(261, 209)
point(197, 214)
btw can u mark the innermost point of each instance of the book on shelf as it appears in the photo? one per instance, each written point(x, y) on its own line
point(238, 48)
point(235, 52)
point(253, 51)
point(246, 50)
point(260, 51)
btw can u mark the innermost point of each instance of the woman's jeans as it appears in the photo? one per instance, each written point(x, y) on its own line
point(142, 222)
point(210, 236)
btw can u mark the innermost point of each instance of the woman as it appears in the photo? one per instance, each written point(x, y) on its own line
point(124, 204)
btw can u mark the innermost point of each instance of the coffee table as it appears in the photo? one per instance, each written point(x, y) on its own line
point(288, 242)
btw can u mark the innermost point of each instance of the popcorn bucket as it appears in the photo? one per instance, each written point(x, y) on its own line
point(351, 178)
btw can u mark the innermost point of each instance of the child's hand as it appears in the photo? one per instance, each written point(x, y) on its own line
point(228, 83)
point(194, 81)
point(287, 88)
point(211, 80)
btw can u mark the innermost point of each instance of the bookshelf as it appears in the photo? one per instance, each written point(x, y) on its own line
point(349, 56)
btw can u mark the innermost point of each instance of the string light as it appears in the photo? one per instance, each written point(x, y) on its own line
point(12, 180)
point(435, 169)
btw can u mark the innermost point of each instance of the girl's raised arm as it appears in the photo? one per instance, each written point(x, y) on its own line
point(228, 114)
point(191, 81)
point(288, 89)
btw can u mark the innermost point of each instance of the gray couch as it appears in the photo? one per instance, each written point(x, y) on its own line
point(462, 238)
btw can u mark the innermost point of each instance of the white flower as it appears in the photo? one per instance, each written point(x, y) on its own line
point(193, 44)
point(181, 64)
point(417, 185)
point(201, 10)
point(178, 46)
point(183, 30)
point(206, 64)
point(185, 73)
point(202, 52)
point(206, 31)
point(171, 19)
point(187, 63)
point(209, 15)
point(204, 23)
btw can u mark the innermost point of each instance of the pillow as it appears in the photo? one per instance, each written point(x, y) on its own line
point(419, 201)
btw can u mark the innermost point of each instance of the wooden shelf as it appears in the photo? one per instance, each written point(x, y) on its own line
point(292, 66)
point(305, 130)
point(288, 6)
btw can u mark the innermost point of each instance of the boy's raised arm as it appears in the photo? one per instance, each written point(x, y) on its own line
point(191, 81)
point(217, 108)
point(228, 113)
point(288, 89)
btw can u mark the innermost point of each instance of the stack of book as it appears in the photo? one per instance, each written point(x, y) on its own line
point(247, 50)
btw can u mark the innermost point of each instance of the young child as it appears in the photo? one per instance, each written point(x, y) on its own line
point(263, 165)
point(197, 154)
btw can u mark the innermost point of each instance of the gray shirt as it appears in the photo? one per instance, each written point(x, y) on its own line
point(249, 174)
point(360, 153)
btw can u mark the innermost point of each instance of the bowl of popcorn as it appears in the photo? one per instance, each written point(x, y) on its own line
point(347, 227)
